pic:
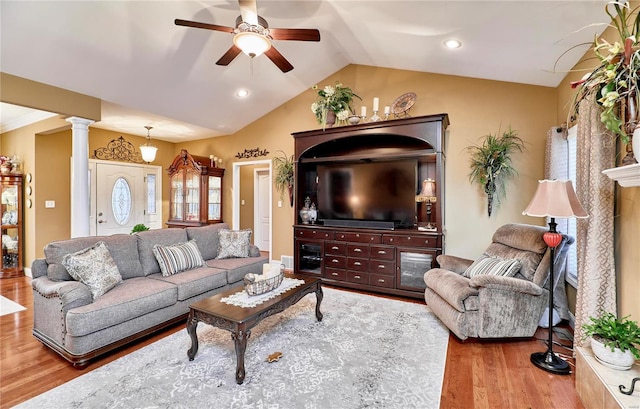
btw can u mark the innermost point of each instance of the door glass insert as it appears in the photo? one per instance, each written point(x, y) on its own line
point(121, 201)
point(151, 193)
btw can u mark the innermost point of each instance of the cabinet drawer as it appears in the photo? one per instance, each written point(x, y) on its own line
point(382, 267)
point(359, 237)
point(382, 253)
point(314, 234)
point(357, 264)
point(410, 240)
point(340, 275)
point(358, 277)
point(356, 250)
point(381, 281)
point(335, 262)
point(334, 247)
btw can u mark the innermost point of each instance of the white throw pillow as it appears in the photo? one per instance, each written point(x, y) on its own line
point(94, 267)
point(178, 257)
point(233, 243)
point(493, 265)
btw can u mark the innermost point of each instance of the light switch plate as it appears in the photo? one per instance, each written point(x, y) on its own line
point(50, 204)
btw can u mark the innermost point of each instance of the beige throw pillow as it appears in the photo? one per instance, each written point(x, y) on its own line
point(94, 267)
point(233, 243)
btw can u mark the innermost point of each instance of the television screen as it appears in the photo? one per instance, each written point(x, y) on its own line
point(368, 191)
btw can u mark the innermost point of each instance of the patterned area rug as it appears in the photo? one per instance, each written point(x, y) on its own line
point(367, 352)
point(9, 307)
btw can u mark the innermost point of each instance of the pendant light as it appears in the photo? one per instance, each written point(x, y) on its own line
point(148, 150)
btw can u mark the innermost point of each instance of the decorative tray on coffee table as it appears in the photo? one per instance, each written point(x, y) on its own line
point(256, 287)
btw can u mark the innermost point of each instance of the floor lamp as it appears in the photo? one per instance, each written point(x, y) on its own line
point(553, 198)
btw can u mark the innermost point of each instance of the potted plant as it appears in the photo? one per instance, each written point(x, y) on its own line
point(614, 341)
point(613, 84)
point(139, 227)
point(491, 164)
point(332, 102)
point(284, 167)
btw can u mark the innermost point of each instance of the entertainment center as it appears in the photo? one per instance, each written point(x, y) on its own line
point(366, 179)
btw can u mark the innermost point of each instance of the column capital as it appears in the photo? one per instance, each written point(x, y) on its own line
point(76, 120)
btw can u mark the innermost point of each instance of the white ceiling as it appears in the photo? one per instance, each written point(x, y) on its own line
point(149, 71)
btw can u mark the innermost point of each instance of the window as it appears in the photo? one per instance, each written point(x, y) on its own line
point(121, 201)
point(151, 193)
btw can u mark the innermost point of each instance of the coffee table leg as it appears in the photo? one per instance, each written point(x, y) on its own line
point(319, 296)
point(240, 340)
point(192, 324)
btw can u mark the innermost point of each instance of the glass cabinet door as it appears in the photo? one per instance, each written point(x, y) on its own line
point(214, 198)
point(10, 193)
point(412, 264)
point(177, 196)
point(192, 195)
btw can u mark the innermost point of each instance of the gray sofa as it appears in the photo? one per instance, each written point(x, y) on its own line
point(69, 321)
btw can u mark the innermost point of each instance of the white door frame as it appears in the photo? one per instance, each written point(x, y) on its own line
point(256, 204)
point(235, 197)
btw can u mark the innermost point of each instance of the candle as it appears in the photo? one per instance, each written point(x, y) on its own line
point(211, 157)
point(387, 110)
point(266, 269)
point(363, 111)
point(376, 101)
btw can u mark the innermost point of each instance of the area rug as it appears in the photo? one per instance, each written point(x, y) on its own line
point(9, 307)
point(367, 352)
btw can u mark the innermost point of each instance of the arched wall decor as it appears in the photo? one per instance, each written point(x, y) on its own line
point(119, 150)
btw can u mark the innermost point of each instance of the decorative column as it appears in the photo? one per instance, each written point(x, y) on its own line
point(80, 177)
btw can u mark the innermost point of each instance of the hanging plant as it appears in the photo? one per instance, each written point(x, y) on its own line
point(284, 167)
point(491, 164)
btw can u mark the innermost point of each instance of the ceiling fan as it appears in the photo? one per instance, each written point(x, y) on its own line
point(253, 36)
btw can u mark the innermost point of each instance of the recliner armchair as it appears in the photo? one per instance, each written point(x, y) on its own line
point(493, 306)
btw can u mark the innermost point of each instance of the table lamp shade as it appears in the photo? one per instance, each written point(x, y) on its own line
point(555, 198)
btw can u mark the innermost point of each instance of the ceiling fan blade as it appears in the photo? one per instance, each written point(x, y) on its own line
point(296, 34)
point(229, 56)
point(278, 59)
point(249, 11)
point(206, 26)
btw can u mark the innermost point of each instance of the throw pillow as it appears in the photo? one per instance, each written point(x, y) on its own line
point(493, 265)
point(233, 243)
point(178, 257)
point(94, 267)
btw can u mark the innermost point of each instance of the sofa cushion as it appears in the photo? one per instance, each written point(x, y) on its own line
point(93, 267)
point(123, 249)
point(194, 282)
point(493, 266)
point(206, 238)
point(148, 239)
point(233, 243)
point(133, 298)
point(237, 268)
point(453, 288)
point(178, 257)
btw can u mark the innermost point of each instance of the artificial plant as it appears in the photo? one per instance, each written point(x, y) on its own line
point(284, 166)
point(622, 333)
point(491, 164)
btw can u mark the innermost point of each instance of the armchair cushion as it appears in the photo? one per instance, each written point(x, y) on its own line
point(453, 263)
point(453, 288)
point(505, 283)
point(487, 265)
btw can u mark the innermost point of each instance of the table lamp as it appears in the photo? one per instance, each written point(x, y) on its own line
point(553, 198)
point(428, 195)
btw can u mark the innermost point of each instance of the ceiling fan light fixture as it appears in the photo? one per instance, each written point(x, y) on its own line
point(252, 44)
point(148, 150)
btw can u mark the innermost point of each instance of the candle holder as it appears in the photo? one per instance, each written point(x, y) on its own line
point(375, 117)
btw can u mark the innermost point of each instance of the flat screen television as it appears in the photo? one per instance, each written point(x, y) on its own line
point(368, 194)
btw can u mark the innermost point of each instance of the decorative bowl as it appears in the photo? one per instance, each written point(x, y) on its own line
point(253, 286)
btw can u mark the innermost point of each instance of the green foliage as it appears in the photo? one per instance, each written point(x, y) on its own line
point(615, 333)
point(284, 166)
point(139, 227)
point(491, 164)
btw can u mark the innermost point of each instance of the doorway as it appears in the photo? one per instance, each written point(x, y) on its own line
point(123, 195)
point(261, 188)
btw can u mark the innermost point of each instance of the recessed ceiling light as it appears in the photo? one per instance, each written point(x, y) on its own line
point(451, 43)
point(242, 93)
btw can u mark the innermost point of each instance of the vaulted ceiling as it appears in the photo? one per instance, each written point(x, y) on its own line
point(148, 71)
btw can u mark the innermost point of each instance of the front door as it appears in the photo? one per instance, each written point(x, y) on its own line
point(120, 198)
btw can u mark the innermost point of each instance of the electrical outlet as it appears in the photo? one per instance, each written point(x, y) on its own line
point(279, 203)
point(50, 204)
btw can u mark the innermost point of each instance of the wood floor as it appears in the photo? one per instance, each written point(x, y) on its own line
point(478, 374)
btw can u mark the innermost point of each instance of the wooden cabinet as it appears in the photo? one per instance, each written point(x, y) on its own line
point(360, 244)
point(195, 197)
point(12, 244)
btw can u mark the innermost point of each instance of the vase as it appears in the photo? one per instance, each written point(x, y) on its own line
point(616, 359)
point(635, 144)
point(354, 119)
point(331, 119)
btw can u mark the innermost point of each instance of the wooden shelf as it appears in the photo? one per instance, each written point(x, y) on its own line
point(626, 176)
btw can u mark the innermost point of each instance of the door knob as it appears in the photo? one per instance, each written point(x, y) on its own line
point(102, 221)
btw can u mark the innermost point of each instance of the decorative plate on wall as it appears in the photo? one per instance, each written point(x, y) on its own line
point(403, 103)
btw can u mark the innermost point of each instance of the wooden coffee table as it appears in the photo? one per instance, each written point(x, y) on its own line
point(239, 320)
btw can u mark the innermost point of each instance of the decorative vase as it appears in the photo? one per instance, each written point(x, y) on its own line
point(635, 144)
point(331, 119)
point(313, 213)
point(354, 119)
point(616, 359)
point(305, 211)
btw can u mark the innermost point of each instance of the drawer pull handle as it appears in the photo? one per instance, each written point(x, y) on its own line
point(391, 240)
point(334, 261)
point(408, 238)
point(381, 266)
point(334, 274)
point(380, 280)
point(313, 231)
point(357, 277)
point(357, 263)
point(357, 250)
point(334, 248)
point(358, 235)
point(382, 252)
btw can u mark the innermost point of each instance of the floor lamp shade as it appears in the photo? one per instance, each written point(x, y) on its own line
point(553, 198)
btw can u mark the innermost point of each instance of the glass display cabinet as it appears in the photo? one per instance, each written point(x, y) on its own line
point(11, 194)
point(195, 197)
